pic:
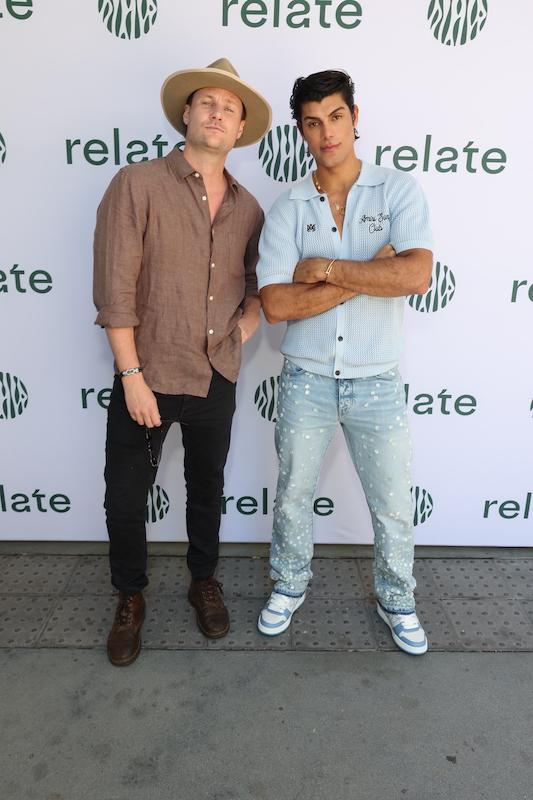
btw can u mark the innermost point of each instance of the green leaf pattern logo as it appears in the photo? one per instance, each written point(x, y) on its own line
point(440, 293)
point(13, 396)
point(128, 19)
point(157, 505)
point(422, 505)
point(265, 398)
point(283, 154)
point(3, 150)
point(457, 22)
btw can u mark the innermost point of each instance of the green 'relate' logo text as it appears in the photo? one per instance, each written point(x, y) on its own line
point(157, 505)
point(422, 505)
point(426, 157)
point(128, 19)
point(293, 13)
point(3, 149)
point(265, 398)
point(521, 290)
point(97, 152)
point(13, 396)
point(18, 9)
point(31, 501)
point(457, 22)
point(283, 154)
point(440, 293)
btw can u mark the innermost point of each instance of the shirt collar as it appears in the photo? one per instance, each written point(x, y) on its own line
point(182, 169)
point(371, 175)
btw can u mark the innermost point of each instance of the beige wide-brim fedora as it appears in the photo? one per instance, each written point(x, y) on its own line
point(221, 74)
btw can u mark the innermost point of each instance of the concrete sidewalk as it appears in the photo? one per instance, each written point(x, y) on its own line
point(331, 710)
point(257, 726)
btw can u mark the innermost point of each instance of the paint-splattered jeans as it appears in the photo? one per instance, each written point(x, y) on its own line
point(372, 413)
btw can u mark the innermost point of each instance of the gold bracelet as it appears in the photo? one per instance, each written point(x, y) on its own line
point(328, 269)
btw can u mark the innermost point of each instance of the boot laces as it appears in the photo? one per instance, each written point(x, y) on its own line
point(211, 590)
point(125, 611)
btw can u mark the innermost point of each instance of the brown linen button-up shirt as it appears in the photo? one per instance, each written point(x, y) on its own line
point(161, 267)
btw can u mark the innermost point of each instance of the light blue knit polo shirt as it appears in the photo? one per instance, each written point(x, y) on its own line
point(362, 336)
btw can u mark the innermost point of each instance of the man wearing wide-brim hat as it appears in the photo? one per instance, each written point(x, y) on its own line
point(174, 283)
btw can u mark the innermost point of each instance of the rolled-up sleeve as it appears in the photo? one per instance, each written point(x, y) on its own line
point(251, 256)
point(118, 250)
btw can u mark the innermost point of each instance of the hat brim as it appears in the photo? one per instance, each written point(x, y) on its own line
point(178, 86)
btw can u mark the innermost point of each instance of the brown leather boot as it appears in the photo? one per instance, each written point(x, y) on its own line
point(124, 640)
point(211, 613)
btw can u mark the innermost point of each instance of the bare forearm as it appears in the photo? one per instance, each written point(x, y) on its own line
point(285, 301)
point(249, 322)
point(140, 400)
point(385, 277)
point(122, 343)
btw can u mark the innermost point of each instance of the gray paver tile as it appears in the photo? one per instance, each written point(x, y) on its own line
point(467, 577)
point(488, 624)
point(22, 618)
point(332, 624)
point(244, 577)
point(337, 577)
point(79, 621)
point(517, 574)
point(171, 624)
point(35, 574)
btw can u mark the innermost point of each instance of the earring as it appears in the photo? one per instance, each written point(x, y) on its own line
point(355, 134)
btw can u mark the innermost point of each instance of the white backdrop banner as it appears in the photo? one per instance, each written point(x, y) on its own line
point(444, 92)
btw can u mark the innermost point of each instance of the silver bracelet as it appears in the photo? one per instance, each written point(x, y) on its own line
point(130, 371)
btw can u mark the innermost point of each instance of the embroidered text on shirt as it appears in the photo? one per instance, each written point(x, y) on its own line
point(375, 222)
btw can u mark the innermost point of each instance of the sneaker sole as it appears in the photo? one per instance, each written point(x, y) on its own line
point(283, 627)
point(407, 648)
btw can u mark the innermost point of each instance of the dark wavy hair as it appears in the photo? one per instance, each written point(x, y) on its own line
point(319, 85)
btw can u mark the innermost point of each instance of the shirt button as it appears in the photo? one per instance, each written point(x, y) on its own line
point(334, 230)
point(340, 338)
point(196, 174)
point(212, 265)
point(322, 199)
point(211, 297)
point(204, 197)
point(211, 331)
point(337, 372)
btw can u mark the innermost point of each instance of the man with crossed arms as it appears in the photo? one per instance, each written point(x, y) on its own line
point(337, 256)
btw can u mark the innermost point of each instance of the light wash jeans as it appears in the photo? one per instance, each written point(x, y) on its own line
point(372, 413)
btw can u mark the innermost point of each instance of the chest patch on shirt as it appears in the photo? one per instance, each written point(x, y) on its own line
point(374, 222)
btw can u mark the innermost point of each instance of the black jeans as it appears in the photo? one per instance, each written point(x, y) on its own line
point(206, 429)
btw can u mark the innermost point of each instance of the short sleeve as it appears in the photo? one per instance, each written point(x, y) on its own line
point(409, 217)
point(278, 250)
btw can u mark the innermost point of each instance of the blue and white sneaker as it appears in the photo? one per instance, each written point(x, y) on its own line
point(277, 613)
point(406, 630)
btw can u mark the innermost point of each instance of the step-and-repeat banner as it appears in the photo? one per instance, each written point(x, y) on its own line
point(444, 93)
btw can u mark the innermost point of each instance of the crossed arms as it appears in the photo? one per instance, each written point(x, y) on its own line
point(387, 275)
